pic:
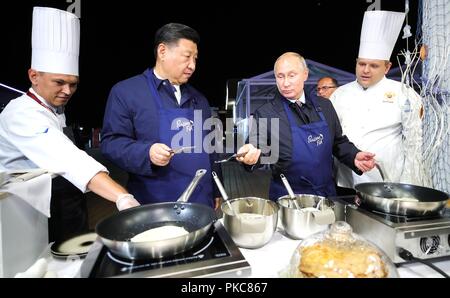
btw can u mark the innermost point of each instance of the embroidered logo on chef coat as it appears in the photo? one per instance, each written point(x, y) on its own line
point(317, 139)
point(389, 97)
point(187, 124)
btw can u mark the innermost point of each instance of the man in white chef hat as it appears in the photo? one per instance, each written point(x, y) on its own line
point(377, 114)
point(31, 126)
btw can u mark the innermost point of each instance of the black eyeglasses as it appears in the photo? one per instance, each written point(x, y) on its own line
point(325, 88)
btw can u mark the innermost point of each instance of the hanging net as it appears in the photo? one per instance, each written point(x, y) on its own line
point(434, 42)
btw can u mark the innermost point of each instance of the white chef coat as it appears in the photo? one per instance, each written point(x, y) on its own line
point(383, 119)
point(31, 136)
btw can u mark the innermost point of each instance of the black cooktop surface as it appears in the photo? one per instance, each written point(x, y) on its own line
point(216, 252)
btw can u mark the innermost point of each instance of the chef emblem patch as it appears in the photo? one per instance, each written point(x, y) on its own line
point(188, 125)
point(389, 97)
point(315, 139)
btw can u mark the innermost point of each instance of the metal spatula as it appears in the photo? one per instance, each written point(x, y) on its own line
point(181, 149)
point(234, 156)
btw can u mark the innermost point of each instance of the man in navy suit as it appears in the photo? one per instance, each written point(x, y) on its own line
point(309, 135)
point(152, 113)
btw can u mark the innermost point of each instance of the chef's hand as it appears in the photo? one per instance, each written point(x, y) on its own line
point(365, 161)
point(125, 201)
point(160, 154)
point(251, 154)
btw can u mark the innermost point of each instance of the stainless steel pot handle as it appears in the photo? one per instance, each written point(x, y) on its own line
point(190, 189)
point(289, 190)
point(223, 192)
point(220, 186)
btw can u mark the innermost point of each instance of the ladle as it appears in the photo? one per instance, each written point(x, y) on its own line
point(289, 190)
point(223, 193)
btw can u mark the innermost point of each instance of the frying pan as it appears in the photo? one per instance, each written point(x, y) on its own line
point(116, 231)
point(401, 199)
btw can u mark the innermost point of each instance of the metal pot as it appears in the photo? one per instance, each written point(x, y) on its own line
point(117, 230)
point(305, 215)
point(401, 199)
point(251, 222)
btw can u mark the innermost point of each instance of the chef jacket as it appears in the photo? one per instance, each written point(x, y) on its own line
point(31, 136)
point(383, 119)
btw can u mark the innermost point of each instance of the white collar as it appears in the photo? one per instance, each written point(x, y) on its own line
point(302, 99)
point(177, 87)
point(157, 75)
point(177, 92)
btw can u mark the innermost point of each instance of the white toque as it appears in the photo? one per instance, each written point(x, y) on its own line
point(55, 41)
point(379, 32)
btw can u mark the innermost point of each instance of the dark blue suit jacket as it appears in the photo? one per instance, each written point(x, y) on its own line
point(343, 149)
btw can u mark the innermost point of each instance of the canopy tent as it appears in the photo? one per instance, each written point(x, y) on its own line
point(255, 91)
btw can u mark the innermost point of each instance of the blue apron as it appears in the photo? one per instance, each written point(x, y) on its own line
point(170, 181)
point(310, 170)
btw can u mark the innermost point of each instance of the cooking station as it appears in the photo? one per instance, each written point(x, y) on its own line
point(262, 261)
point(215, 256)
point(426, 237)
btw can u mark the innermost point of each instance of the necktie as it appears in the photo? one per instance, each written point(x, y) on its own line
point(299, 112)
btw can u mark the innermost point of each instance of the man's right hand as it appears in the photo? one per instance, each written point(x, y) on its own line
point(160, 154)
point(365, 161)
point(251, 154)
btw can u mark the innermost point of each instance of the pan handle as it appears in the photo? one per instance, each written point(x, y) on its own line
point(223, 193)
point(382, 171)
point(220, 186)
point(190, 189)
point(289, 190)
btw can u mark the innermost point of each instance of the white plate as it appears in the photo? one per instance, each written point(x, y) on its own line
point(78, 245)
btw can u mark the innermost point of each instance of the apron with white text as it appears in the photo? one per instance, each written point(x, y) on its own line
point(170, 181)
point(310, 170)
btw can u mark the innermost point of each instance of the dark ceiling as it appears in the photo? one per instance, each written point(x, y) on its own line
point(239, 39)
